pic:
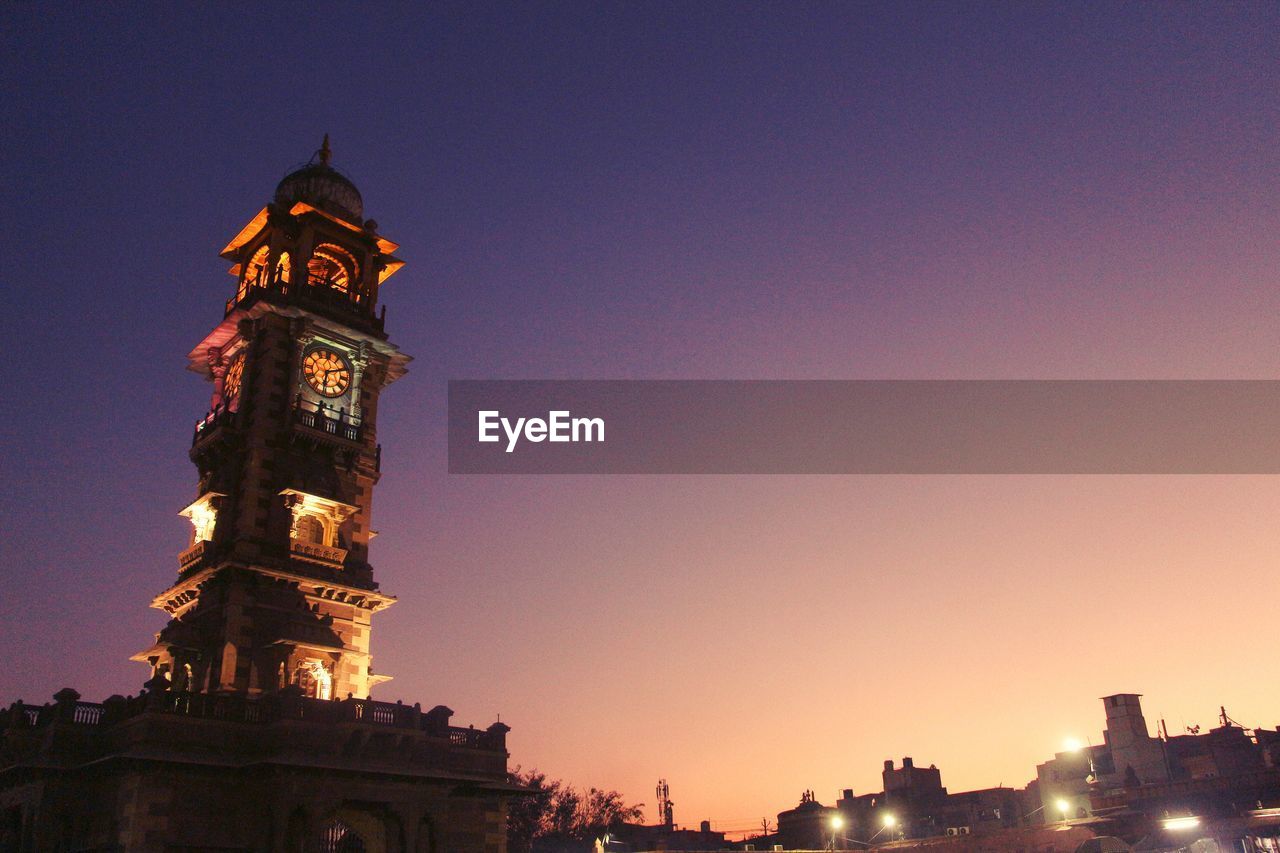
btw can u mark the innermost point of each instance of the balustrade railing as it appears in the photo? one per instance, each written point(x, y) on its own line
point(87, 714)
point(326, 291)
point(327, 555)
point(206, 425)
point(325, 418)
point(255, 710)
point(191, 556)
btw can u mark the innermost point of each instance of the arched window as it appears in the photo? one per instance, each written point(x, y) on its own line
point(339, 837)
point(253, 275)
point(310, 529)
point(334, 267)
point(253, 271)
point(284, 265)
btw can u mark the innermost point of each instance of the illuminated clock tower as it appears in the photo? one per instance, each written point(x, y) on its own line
point(275, 589)
point(255, 729)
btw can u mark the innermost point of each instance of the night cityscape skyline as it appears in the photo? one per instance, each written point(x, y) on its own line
point(676, 192)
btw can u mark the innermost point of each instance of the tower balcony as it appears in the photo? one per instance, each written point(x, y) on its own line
point(192, 556)
point(325, 555)
point(327, 419)
point(308, 290)
point(209, 424)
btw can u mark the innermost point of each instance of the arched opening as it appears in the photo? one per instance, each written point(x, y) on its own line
point(284, 266)
point(338, 837)
point(310, 529)
point(254, 270)
point(333, 267)
point(355, 828)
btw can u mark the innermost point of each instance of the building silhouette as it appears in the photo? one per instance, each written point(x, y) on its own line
point(1134, 790)
point(256, 730)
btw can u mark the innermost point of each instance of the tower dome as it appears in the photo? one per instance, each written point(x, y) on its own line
point(322, 186)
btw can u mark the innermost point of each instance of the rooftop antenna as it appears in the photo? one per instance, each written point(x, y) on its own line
point(326, 154)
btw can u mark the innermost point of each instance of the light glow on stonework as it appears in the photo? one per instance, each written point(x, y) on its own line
point(321, 678)
point(329, 513)
point(203, 515)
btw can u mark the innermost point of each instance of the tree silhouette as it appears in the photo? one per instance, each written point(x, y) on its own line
point(554, 809)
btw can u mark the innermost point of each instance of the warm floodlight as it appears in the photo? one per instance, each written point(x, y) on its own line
point(890, 820)
point(1064, 807)
point(837, 822)
point(1179, 823)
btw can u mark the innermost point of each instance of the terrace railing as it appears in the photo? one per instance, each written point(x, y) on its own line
point(68, 708)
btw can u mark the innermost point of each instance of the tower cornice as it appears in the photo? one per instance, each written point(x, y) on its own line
point(229, 329)
point(255, 226)
point(185, 592)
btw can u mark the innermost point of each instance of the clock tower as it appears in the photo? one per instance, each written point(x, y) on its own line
point(275, 589)
point(255, 729)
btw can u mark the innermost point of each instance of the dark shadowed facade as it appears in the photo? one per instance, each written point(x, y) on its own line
point(255, 730)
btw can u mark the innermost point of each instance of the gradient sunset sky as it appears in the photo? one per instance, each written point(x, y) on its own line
point(684, 190)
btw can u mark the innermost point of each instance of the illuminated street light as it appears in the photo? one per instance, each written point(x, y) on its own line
point(888, 821)
point(1181, 823)
point(837, 822)
point(1064, 807)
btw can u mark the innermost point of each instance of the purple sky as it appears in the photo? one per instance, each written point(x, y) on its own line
point(674, 191)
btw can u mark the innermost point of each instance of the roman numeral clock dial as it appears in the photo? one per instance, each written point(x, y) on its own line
point(327, 372)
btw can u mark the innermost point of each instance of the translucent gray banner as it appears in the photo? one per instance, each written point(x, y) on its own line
point(864, 427)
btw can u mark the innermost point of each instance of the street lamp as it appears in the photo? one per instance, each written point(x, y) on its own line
point(1064, 807)
point(837, 823)
point(888, 821)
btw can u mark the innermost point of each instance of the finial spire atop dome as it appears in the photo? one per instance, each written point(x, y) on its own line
point(319, 184)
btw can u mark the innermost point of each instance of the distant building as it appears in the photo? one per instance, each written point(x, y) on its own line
point(1164, 793)
point(1155, 793)
point(915, 804)
point(664, 837)
point(1131, 764)
point(807, 826)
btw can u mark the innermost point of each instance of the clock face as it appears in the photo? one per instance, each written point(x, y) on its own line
point(231, 382)
point(326, 371)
